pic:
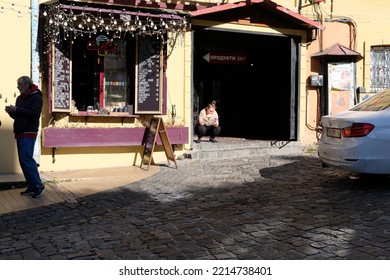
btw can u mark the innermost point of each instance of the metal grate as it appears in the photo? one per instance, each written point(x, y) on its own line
point(380, 68)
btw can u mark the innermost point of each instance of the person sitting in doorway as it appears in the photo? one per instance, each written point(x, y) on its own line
point(208, 123)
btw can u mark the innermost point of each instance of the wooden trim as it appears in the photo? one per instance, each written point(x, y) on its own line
point(105, 137)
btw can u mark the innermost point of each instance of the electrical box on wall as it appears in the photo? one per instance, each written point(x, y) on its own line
point(316, 80)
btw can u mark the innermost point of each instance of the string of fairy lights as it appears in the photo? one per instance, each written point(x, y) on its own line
point(66, 22)
point(19, 10)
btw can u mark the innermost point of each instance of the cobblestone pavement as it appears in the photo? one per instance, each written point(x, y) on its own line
point(269, 207)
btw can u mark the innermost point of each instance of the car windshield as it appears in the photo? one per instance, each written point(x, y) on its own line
point(378, 102)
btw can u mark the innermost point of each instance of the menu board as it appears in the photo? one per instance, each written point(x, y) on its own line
point(150, 141)
point(148, 92)
point(162, 132)
point(61, 98)
point(156, 127)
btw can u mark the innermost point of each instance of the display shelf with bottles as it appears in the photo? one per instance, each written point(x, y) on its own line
point(115, 79)
point(115, 89)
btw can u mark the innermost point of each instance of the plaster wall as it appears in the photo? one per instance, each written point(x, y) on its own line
point(357, 25)
point(15, 34)
point(369, 19)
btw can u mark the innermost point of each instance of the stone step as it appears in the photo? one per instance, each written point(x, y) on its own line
point(236, 148)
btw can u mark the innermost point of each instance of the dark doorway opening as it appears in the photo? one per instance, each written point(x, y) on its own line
point(256, 99)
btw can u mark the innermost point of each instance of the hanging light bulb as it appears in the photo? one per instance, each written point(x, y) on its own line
point(85, 23)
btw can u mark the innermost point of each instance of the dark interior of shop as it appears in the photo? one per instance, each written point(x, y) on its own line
point(254, 99)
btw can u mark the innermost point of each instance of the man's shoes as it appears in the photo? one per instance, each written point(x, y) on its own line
point(39, 191)
point(213, 140)
point(197, 141)
point(29, 191)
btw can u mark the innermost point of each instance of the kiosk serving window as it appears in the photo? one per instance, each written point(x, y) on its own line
point(110, 76)
point(102, 74)
point(115, 95)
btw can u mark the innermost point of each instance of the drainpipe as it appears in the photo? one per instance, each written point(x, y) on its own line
point(34, 41)
point(35, 65)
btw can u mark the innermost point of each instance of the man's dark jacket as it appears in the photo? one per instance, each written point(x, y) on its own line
point(28, 112)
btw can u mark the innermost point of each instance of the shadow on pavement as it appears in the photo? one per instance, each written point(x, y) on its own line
point(281, 208)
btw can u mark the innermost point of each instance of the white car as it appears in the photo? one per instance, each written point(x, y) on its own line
point(358, 140)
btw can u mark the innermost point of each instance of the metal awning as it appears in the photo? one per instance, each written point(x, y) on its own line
point(267, 6)
point(337, 50)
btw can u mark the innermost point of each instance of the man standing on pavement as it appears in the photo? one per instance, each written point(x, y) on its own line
point(26, 114)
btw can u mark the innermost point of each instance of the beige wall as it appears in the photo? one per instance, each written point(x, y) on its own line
point(365, 24)
point(371, 19)
point(15, 57)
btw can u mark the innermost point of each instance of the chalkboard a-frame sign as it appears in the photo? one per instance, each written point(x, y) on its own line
point(148, 99)
point(156, 127)
point(61, 93)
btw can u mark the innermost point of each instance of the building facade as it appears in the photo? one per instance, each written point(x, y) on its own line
point(107, 68)
point(350, 55)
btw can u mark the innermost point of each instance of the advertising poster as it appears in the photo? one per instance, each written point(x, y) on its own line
point(341, 87)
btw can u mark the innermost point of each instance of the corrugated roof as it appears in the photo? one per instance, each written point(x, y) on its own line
point(336, 50)
point(265, 4)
